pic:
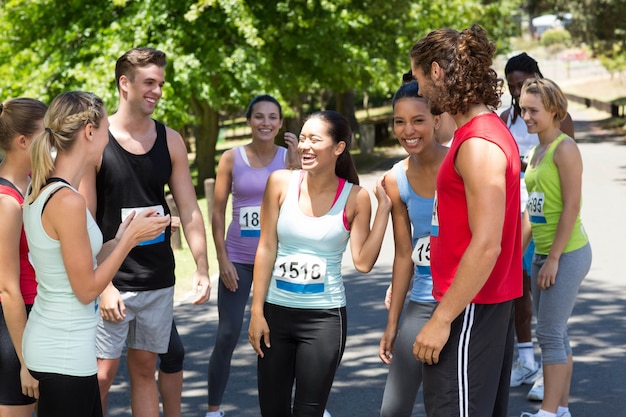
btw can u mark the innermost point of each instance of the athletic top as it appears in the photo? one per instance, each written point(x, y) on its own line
point(247, 188)
point(420, 210)
point(127, 182)
point(545, 204)
point(28, 284)
point(307, 270)
point(451, 233)
point(525, 141)
point(60, 334)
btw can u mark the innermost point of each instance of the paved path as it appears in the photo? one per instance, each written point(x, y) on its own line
point(597, 328)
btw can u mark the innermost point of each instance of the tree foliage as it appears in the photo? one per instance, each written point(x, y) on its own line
point(222, 52)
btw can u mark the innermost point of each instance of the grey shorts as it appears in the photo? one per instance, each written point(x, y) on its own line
point(147, 325)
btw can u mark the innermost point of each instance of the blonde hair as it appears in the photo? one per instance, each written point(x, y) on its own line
point(67, 115)
point(551, 95)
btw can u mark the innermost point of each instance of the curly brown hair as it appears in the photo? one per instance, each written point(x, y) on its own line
point(465, 58)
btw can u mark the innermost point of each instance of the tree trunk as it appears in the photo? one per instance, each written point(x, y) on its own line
point(346, 106)
point(206, 140)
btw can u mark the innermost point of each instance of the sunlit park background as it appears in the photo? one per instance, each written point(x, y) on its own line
point(347, 55)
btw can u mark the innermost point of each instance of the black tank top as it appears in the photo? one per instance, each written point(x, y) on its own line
point(128, 181)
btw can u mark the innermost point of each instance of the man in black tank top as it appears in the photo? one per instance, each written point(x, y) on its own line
point(142, 156)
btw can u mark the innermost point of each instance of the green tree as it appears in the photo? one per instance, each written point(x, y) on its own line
point(222, 52)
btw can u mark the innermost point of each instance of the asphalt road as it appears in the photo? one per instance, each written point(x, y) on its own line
point(597, 327)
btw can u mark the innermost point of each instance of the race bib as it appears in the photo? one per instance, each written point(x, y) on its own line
point(421, 252)
point(302, 274)
point(159, 209)
point(250, 221)
point(434, 223)
point(536, 201)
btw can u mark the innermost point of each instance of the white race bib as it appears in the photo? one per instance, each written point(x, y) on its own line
point(536, 201)
point(302, 274)
point(160, 211)
point(434, 222)
point(421, 252)
point(250, 221)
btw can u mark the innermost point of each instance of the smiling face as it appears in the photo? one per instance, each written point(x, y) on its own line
point(316, 147)
point(145, 90)
point(265, 121)
point(534, 113)
point(413, 124)
point(515, 80)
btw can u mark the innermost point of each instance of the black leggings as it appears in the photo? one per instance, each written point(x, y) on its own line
point(68, 396)
point(306, 347)
point(172, 361)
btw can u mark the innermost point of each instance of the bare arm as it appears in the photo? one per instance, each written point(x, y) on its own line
point(65, 219)
point(485, 190)
point(402, 270)
point(12, 302)
point(228, 273)
point(568, 160)
point(265, 257)
point(365, 243)
point(191, 219)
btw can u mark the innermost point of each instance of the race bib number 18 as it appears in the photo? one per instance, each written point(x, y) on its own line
point(250, 221)
point(302, 274)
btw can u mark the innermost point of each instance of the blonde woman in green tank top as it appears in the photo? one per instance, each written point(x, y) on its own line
point(562, 251)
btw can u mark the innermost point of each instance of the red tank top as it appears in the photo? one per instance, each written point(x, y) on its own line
point(452, 236)
point(28, 284)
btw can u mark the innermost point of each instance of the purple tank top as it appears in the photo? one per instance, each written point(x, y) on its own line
point(247, 188)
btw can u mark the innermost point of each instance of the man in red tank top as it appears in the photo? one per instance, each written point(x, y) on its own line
point(467, 345)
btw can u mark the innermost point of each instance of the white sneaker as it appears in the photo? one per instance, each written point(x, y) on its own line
point(536, 392)
point(326, 413)
point(522, 374)
point(218, 413)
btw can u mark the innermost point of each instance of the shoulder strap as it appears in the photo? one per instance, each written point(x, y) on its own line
point(9, 188)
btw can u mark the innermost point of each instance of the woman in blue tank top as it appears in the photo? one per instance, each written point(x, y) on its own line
point(411, 186)
point(242, 172)
point(298, 314)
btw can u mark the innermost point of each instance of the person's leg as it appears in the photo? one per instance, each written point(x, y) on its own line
point(321, 340)
point(276, 370)
point(144, 397)
point(554, 308)
point(149, 336)
point(170, 380)
point(231, 307)
point(405, 372)
point(107, 369)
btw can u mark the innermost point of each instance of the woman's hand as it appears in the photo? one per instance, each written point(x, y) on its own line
point(547, 274)
point(228, 274)
point(258, 329)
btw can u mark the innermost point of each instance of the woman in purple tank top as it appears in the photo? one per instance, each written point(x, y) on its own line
point(242, 172)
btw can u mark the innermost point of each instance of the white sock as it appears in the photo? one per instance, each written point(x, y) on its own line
point(526, 353)
point(544, 413)
point(561, 410)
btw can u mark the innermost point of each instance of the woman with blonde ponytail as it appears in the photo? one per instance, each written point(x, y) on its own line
point(64, 240)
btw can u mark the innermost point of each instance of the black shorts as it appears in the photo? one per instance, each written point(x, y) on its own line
point(473, 374)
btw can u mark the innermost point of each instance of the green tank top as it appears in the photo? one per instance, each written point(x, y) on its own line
point(545, 203)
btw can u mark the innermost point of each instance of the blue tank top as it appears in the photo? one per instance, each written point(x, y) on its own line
point(307, 270)
point(247, 188)
point(420, 211)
